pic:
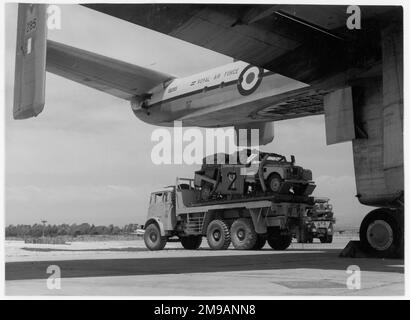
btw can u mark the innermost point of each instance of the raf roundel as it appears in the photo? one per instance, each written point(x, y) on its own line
point(249, 80)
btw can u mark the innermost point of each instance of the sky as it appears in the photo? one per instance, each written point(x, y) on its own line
point(87, 158)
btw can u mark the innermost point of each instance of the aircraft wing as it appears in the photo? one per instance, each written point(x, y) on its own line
point(35, 55)
point(298, 103)
point(118, 78)
point(307, 43)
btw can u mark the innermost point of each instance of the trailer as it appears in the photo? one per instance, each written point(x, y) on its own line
point(247, 222)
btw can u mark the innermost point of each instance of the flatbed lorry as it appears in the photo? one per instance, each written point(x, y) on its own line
point(248, 222)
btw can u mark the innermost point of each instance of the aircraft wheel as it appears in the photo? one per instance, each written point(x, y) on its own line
point(260, 242)
point(153, 239)
point(243, 234)
point(218, 235)
point(274, 182)
point(380, 233)
point(191, 242)
point(279, 242)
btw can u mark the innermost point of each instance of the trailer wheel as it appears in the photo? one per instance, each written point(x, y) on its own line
point(191, 242)
point(260, 243)
point(279, 242)
point(243, 234)
point(153, 239)
point(218, 235)
point(275, 182)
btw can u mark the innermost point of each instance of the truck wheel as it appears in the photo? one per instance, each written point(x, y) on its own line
point(191, 242)
point(380, 234)
point(152, 238)
point(326, 239)
point(280, 242)
point(243, 234)
point(260, 243)
point(218, 235)
point(274, 182)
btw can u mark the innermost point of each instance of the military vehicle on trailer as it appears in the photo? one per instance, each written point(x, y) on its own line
point(226, 176)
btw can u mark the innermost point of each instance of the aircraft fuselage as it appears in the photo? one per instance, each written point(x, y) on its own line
point(195, 97)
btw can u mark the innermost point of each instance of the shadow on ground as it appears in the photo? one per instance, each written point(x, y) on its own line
point(325, 259)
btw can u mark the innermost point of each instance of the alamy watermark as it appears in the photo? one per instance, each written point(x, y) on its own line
point(354, 280)
point(190, 146)
point(54, 280)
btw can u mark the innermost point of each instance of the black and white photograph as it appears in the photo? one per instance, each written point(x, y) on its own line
point(239, 150)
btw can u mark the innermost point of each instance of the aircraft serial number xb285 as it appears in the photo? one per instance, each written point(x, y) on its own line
point(293, 61)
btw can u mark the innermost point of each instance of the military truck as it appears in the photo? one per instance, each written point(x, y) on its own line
point(320, 221)
point(247, 222)
point(226, 176)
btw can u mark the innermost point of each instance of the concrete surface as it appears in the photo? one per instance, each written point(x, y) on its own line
point(127, 268)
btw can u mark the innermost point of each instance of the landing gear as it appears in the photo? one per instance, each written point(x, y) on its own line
point(381, 233)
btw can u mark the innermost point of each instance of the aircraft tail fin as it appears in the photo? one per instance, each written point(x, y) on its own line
point(31, 47)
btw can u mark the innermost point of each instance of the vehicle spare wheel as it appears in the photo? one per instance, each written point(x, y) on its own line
point(218, 235)
point(153, 239)
point(243, 235)
point(380, 234)
point(191, 242)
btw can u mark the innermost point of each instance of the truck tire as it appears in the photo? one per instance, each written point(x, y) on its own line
point(243, 234)
point(274, 182)
point(153, 239)
point(280, 242)
point(260, 243)
point(191, 242)
point(217, 235)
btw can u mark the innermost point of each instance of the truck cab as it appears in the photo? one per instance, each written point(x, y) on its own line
point(161, 208)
